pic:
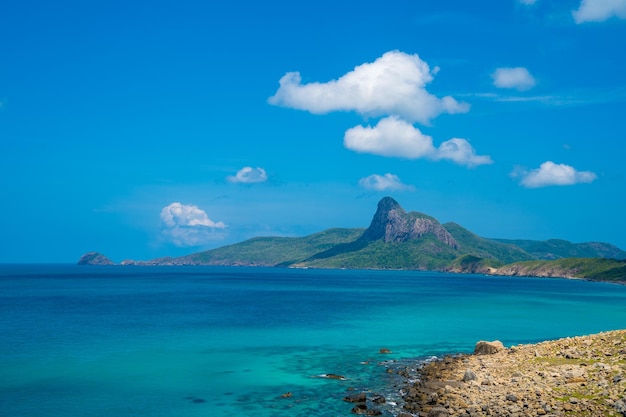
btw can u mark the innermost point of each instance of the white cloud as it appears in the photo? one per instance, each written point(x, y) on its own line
point(188, 225)
point(461, 152)
point(394, 84)
point(518, 78)
point(249, 175)
point(390, 137)
point(550, 173)
point(396, 138)
point(599, 10)
point(384, 182)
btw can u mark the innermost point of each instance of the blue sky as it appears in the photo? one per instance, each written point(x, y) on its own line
point(144, 129)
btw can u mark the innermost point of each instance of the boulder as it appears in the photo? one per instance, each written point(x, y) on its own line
point(357, 398)
point(488, 348)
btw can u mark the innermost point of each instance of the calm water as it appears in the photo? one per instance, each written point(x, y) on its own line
point(157, 341)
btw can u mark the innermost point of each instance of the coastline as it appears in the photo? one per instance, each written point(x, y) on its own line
point(578, 376)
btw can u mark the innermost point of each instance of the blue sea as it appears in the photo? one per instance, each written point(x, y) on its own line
point(216, 341)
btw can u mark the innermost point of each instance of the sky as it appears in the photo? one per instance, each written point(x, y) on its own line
point(146, 129)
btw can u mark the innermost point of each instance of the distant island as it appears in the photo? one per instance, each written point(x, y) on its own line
point(396, 239)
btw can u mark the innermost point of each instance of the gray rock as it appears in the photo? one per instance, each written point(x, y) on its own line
point(469, 376)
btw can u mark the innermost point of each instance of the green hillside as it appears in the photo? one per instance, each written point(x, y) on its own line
point(472, 244)
point(558, 248)
point(272, 251)
point(423, 254)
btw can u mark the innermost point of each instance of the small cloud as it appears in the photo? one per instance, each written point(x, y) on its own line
point(390, 137)
point(384, 182)
point(599, 10)
point(518, 78)
point(188, 225)
point(393, 84)
point(248, 175)
point(394, 137)
point(528, 2)
point(461, 152)
point(550, 173)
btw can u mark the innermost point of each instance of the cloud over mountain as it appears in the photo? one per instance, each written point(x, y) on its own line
point(188, 225)
point(461, 152)
point(387, 182)
point(549, 174)
point(393, 84)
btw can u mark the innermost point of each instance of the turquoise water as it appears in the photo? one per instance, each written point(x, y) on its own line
point(196, 341)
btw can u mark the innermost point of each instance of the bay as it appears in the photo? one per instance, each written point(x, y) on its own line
point(217, 341)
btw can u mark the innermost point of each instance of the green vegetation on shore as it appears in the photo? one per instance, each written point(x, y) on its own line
point(587, 268)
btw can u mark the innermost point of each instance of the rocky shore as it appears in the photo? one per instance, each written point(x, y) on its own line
point(578, 376)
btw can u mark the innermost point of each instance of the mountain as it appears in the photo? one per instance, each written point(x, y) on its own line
point(397, 239)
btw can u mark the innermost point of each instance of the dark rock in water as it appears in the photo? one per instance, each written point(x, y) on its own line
point(94, 258)
point(198, 400)
point(333, 376)
point(357, 398)
point(379, 399)
point(362, 409)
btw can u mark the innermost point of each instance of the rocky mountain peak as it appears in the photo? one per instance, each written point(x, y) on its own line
point(393, 224)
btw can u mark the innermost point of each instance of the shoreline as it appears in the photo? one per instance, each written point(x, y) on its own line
point(577, 376)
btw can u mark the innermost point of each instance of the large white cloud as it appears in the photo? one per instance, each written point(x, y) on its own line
point(517, 77)
point(393, 84)
point(249, 175)
point(188, 225)
point(385, 182)
point(599, 10)
point(396, 138)
point(550, 173)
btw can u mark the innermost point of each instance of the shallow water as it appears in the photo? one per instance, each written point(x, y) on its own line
point(209, 341)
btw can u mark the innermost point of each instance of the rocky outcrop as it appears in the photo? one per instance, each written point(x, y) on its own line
point(392, 224)
point(94, 258)
point(544, 271)
point(488, 348)
point(579, 376)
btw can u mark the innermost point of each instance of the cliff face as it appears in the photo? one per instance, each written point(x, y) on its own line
point(392, 224)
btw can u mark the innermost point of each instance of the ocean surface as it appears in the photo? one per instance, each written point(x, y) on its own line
point(212, 341)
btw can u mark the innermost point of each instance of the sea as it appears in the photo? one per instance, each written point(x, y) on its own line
point(239, 341)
